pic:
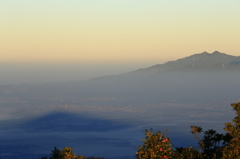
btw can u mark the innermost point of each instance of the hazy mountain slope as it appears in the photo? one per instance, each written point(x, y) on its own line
point(200, 76)
point(198, 62)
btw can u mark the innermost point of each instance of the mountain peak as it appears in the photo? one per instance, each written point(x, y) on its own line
point(205, 52)
point(216, 52)
point(203, 61)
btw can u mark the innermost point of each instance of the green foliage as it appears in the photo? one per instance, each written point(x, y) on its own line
point(213, 143)
point(187, 153)
point(66, 153)
point(56, 153)
point(211, 146)
point(232, 150)
point(156, 145)
point(197, 130)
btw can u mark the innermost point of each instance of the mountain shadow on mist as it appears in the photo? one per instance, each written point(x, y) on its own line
point(63, 122)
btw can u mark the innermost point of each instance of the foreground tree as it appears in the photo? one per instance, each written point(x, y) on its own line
point(156, 145)
point(66, 153)
point(211, 146)
point(232, 150)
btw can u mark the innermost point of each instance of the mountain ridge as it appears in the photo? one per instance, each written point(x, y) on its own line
point(202, 62)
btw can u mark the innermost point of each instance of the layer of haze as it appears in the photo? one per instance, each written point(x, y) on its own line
point(118, 36)
point(44, 72)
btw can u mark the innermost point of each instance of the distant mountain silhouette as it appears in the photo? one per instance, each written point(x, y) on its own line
point(200, 76)
point(198, 62)
point(203, 76)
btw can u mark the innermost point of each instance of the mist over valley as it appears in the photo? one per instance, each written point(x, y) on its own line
point(107, 115)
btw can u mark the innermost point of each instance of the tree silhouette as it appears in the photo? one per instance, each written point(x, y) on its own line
point(232, 150)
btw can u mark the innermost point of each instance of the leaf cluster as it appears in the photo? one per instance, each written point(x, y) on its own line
point(211, 146)
point(66, 153)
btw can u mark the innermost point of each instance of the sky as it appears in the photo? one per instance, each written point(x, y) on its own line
point(133, 33)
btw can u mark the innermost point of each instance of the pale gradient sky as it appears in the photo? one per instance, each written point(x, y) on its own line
point(116, 30)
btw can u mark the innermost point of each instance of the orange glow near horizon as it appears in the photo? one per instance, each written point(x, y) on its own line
point(116, 31)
